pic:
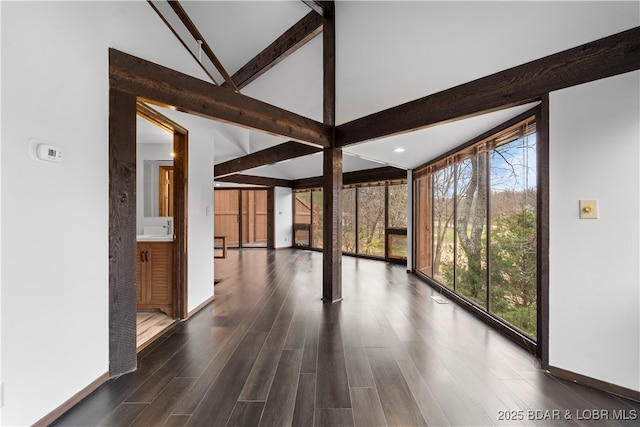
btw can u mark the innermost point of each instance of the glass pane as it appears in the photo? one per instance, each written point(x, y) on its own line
point(443, 238)
point(397, 206)
point(260, 232)
point(471, 230)
point(397, 246)
point(317, 219)
point(301, 238)
point(244, 218)
point(371, 221)
point(254, 218)
point(227, 216)
point(513, 233)
point(423, 224)
point(349, 220)
point(302, 207)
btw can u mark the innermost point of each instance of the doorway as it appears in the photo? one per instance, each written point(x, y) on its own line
point(241, 216)
point(123, 110)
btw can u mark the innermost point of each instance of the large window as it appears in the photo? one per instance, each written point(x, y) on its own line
point(476, 231)
point(302, 219)
point(397, 221)
point(374, 219)
point(349, 220)
point(371, 220)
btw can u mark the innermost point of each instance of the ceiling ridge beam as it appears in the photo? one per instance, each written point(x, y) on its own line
point(163, 86)
point(606, 57)
point(291, 40)
point(275, 154)
point(191, 27)
point(322, 8)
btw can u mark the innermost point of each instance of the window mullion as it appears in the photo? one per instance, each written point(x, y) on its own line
point(488, 225)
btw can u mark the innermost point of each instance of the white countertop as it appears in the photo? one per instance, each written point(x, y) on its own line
point(154, 238)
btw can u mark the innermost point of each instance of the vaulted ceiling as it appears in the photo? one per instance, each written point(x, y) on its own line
point(387, 53)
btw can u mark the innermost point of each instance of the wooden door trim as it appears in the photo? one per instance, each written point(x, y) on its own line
point(122, 232)
point(122, 228)
point(180, 222)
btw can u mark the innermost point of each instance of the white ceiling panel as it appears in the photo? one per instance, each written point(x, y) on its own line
point(237, 31)
point(389, 53)
point(427, 144)
point(294, 84)
point(392, 52)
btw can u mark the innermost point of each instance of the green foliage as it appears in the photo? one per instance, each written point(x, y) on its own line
point(513, 269)
point(513, 286)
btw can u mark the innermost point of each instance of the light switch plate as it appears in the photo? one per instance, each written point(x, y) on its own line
point(588, 209)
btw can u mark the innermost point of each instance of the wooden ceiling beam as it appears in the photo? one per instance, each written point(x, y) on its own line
point(181, 40)
point(383, 173)
point(613, 55)
point(322, 8)
point(160, 85)
point(188, 23)
point(291, 40)
point(256, 180)
point(275, 154)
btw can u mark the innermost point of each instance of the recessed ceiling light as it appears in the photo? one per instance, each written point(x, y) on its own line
point(398, 150)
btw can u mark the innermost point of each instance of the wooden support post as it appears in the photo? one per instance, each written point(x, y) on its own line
point(332, 221)
point(332, 172)
point(122, 233)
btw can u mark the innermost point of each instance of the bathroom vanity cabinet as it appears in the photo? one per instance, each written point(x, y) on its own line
point(154, 282)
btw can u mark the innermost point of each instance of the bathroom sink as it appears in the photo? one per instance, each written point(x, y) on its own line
point(154, 233)
point(154, 238)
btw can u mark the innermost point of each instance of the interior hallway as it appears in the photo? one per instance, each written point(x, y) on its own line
point(268, 352)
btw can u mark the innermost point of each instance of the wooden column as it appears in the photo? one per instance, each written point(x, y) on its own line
point(332, 172)
point(122, 233)
point(332, 231)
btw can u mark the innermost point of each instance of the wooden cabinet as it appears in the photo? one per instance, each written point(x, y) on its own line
point(154, 276)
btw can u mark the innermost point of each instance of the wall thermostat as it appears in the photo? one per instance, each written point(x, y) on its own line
point(49, 153)
point(44, 151)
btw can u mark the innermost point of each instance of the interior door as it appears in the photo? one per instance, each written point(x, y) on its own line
point(241, 216)
point(227, 216)
point(254, 218)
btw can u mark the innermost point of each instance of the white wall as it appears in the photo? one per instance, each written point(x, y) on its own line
point(594, 281)
point(284, 217)
point(200, 208)
point(1, 239)
point(55, 260)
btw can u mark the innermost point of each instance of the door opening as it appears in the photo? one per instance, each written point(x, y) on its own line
point(241, 216)
point(160, 293)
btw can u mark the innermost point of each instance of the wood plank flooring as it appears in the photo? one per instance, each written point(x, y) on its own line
point(268, 352)
point(149, 325)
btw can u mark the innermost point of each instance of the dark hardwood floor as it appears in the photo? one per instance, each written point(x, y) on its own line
point(268, 352)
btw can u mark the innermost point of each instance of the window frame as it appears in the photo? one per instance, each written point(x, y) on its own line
point(385, 183)
point(539, 345)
